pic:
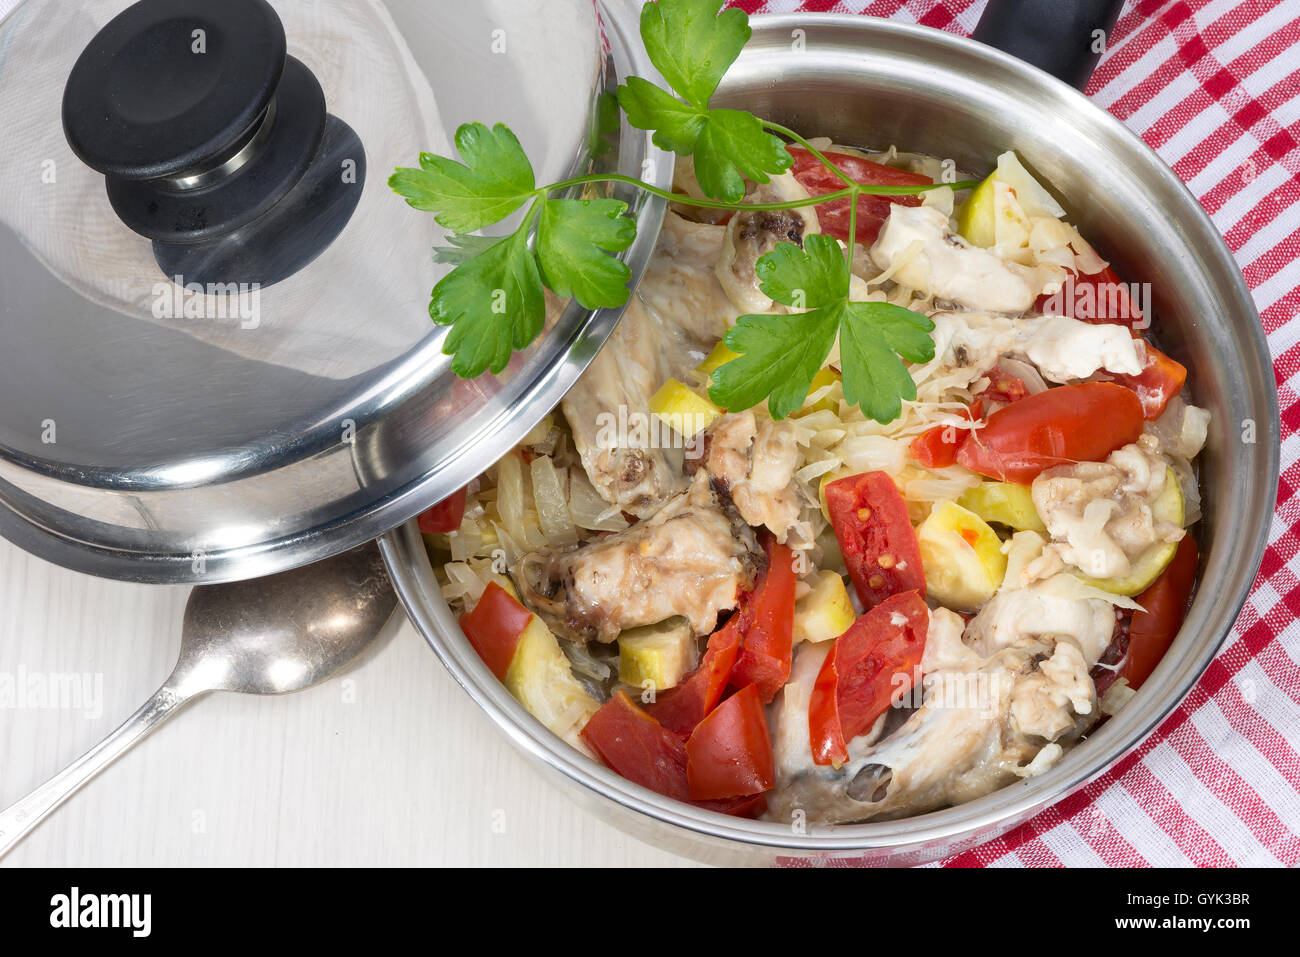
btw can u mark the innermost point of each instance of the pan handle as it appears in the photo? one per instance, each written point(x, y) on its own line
point(1063, 37)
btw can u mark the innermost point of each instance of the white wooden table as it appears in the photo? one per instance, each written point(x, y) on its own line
point(392, 765)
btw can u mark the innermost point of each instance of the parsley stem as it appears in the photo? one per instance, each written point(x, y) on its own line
point(685, 200)
point(790, 134)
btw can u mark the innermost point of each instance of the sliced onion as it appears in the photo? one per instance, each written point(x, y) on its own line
point(1024, 371)
point(588, 509)
point(548, 495)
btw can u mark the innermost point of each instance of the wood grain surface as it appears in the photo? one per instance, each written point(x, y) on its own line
point(390, 765)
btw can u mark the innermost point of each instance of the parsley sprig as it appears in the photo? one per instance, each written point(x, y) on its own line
point(494, 297)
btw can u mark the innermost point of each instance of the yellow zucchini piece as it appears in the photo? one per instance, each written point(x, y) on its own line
point(1146, 568)
point(1004, 502)
point(975, 219)
point(827, 479)
point(660, 654)
point(825, 612)
point(684, 410)
point(962, 557)
point(540, 677)
point(720, 356)
point(821, 380)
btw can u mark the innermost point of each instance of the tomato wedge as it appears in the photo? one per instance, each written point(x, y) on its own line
point(636, 746)
point(1004, 387)
point(1159, 381)
point(446, 516)
point(872, 210)
point(1071, 423)
point(936, 448)
point(764, 658)
point(871, 665)
point(494, 627)
point(1104, 298)
point(729, 754)
point(751, 806)
point(1100, 297)
point(876, 536)
point(1154, 629)
point(683, 707)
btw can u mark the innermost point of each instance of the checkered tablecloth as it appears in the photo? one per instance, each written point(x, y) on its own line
point(1214, 87)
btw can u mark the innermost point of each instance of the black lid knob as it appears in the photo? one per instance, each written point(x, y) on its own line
point(213, 142)
point(170, 87)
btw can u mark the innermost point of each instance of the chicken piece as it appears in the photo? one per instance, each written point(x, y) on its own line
point(983, 723)
point(1061, 348)
point(1048, 607)
point(750, 235)
point(753, 460)
point(1064, 348)
point(947, 267)
point(675, 318)
point(1099, 513)
point(692, 558)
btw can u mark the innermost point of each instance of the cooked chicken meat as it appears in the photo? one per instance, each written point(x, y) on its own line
point(983, 722)
point(1063, 349)
point(946, 267)
point(1049, 607)
point(753, 460)
point(750, 235)
point(1099, 513)
point(692, 558)
point(679, 312)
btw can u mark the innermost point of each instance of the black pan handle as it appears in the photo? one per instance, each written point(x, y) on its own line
point(1063, 37)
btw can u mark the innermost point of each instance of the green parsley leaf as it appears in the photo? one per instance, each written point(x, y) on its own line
point(494, 303)
point(494, 180)
point(728, 145)
point(573, 239)
point(805, 278)
point(779, 355)
point(693, 45)
point(462, 248)
point(872, 337)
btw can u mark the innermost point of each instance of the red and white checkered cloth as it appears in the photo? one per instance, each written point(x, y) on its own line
point(1214, 87)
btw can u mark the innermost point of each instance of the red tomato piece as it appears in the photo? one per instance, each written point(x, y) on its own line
point(729, 754)
point(876, 536)
point(766, 646)
point(936, 448)
point(751, 806)
point(1098, 297)
point(494, 627)
point(1154, 629)
point(1071, 423)
point(1159, 381)
point(683, 707)
point(869, 667)
point(632, 743)
point(1004, 387)
point(1104, 298)
point(446, 516)
point(872, 210)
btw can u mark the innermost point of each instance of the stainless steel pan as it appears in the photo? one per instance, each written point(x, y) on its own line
point(865, 81)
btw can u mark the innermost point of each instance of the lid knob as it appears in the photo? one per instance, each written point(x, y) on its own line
point(208, 135)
